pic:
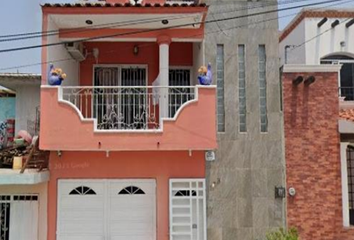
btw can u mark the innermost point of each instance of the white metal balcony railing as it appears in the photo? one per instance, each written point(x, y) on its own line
point(127, 108)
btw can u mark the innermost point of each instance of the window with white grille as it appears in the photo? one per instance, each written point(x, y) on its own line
point(187, 209)
point(242, 88)
point(18, 217)
point(262, 87)
point(220, 87)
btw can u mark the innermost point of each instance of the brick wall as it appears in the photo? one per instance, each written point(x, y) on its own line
point(313, 157)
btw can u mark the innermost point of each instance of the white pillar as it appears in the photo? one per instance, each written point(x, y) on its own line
point(164, 43)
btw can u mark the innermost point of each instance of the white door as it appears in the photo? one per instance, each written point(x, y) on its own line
point(106, 210)
point(19, 217)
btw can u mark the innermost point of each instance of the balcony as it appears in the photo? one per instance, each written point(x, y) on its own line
point(128, 118)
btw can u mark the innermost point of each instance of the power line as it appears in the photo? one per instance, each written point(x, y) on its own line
point(164, 28)
point(318, 35)
point(31, 35)
point(149, 44)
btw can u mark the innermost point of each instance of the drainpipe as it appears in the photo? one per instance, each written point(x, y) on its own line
point(164, 44)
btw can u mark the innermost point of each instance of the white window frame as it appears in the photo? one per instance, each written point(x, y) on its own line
point(344, 176)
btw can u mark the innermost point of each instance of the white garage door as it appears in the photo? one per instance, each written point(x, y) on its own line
point(106, 210)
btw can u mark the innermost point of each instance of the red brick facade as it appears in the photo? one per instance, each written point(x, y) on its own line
point(312, 148)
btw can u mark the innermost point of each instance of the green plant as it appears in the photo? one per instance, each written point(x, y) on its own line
point(283, 234)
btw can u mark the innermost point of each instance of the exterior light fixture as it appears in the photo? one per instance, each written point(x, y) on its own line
point(323, 21)
point(280, 192)
point(310, 80)
point(89, 22)
point(136, 49)
point(335, 23)
point(59, 153)
point(298, 80)
point(164, 22)
point(292, 191)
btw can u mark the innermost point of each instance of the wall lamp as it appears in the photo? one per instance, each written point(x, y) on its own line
point(136, 50)
point(323, 21)
point(298, 80)
point(335, 23)
point(350, 23)
point(310, 80)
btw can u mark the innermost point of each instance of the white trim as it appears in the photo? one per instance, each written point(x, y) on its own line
point(345, 126)
point(344, 175)
point(290, 68)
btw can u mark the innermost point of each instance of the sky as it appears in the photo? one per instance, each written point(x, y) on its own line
point(21, 16)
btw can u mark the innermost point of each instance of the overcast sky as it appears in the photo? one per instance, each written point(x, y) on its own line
point(19, 16)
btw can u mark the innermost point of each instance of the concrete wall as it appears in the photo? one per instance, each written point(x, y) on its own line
point(27, 100)
point(7, 108)
point(41, 190)
point(248, 166)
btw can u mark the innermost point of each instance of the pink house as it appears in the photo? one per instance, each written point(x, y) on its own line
point(130, 128)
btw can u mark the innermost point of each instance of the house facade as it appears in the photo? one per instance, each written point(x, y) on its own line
point(23, 183)
point(317, 49)
point(129, 129)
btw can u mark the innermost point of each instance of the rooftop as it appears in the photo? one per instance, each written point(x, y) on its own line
point(109, 5)
point(24, 76)
point(316, 13)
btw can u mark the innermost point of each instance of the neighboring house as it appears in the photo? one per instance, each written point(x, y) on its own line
point(27, 89)
point(7, 113)
point(250, 158)
point(318, 87)
point(23, 195)
point(129, 129)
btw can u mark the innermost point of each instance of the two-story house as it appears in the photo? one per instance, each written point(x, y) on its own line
point(317, 48)
point(129, 128)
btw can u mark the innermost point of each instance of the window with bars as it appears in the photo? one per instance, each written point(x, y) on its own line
point(350, 173)
point(242, 89)
point(262, 87)
point(18, 217)
point(178, 96)
point(220, 87)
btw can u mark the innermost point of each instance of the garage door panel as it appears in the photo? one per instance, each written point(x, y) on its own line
point(78, 227)
point(75, 214)
point(136, 237)
point(127, 214)
point(66, 186)
point(96, 210)
point(83, 237)
point(82, 202)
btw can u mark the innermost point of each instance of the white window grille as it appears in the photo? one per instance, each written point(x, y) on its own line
point(18, 217)
point(242, 89)
point(187, 209)
point(220, 87)
point(262, 87)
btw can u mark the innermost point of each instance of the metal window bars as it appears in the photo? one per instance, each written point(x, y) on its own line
point(127, 107)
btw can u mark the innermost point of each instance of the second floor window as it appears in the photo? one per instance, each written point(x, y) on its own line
point(220, 88)
point(262, 87)
point(242, 88)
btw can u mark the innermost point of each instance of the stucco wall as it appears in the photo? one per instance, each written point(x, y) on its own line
point(161, 165)
point(41, 190)
point(249, 165)
point(294, 55)
point(7, 108)
point(329, 42)
point(27, 100)
point(56, 53)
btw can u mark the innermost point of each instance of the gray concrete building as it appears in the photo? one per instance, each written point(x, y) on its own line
point(250, 158)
